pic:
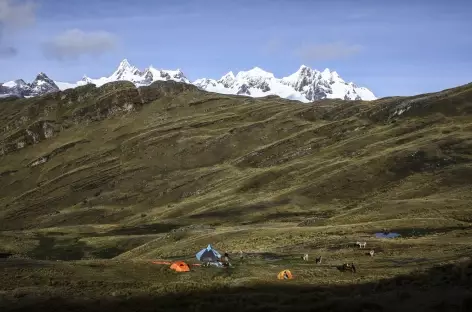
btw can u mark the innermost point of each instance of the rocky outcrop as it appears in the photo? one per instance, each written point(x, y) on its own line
point(34, 133)
point(75, 106)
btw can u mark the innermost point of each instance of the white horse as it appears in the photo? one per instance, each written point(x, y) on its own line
point(305, 257)
point(361, 244)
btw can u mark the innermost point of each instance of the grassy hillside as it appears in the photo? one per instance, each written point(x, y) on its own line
point(161, 171)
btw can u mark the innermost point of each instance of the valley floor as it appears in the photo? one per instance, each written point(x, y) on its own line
point(425, 271)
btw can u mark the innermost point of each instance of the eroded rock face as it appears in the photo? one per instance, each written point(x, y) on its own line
point(33, 134)
point(80, 105)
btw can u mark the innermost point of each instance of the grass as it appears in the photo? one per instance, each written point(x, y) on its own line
point(129, 176)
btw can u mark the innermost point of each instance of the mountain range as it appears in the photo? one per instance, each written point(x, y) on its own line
point(19, 88)
point(305, 85)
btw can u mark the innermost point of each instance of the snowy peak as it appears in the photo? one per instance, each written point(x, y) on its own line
point(14, 88)
point(303, 76)
point(327, 84)
point(229, 75)
point(125, 71)
point(330, 76)
point(124, 64)
point(256, 72)
point(128, 72)
point(19, 83)
point(42, 79)
point(176, 75)
point(305, 85)
point(228, 80)
point(42, 84)
point(86, 79)
point(42, 76)
point(304, 71)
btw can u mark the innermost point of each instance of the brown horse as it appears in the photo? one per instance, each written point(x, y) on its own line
point(347, 267)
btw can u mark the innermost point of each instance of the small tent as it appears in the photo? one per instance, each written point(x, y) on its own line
point(180, 266)
point(285, 274)
point(387, 235)
point(208, 254)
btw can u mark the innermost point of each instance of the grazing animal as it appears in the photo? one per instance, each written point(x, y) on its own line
point(361, 244)
point(318, 260)
point(371, 253)
point(348, 267)
point(305, 257)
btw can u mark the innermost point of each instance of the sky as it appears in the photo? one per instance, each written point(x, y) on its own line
point(391, 47)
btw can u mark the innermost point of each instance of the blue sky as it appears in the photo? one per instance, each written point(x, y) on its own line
point(392, 47)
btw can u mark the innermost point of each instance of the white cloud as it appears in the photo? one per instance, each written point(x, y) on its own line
point(327, 51)
point(75, 43)
point(14, 15)
point(17, 14)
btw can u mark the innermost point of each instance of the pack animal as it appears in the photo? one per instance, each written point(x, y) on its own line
point(361, 244)
point(348, 267)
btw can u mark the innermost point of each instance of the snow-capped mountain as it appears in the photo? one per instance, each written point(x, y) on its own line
point(304, 85)
point(41, 85)
point(126, 71)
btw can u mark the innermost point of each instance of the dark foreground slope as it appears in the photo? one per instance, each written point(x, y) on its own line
point(161, 171)
point(98, 289)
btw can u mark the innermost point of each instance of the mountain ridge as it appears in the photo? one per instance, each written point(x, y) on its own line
point(42, 84)
point(305, 85)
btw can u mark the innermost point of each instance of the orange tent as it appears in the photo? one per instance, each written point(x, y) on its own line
point(180, 266)
point(285, 274)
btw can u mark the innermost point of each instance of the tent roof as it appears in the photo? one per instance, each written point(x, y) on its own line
point(208, 254)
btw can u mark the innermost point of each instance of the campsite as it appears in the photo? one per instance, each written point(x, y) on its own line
point(403, 272)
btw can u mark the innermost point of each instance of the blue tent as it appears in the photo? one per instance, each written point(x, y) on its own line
point(208, 254)
point(387, 235)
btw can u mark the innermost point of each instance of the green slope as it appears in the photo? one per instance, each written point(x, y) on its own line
point(94, 165)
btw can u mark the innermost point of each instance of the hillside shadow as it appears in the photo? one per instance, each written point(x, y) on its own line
point(444, 288)
point(51, 248)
